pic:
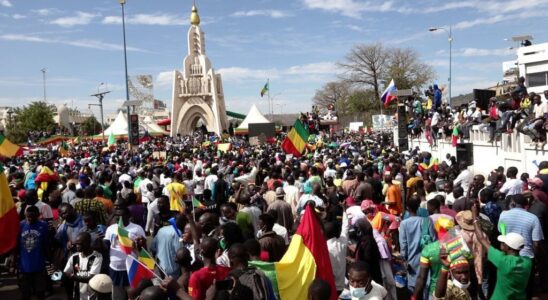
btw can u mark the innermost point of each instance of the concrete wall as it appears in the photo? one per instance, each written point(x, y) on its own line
point(513, 150)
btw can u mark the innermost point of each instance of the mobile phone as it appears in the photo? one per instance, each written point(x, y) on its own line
point(224, 285)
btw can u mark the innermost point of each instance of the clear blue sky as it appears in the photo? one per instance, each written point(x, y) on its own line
point(295, 43)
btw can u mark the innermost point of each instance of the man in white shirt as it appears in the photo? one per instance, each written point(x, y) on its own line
point(210, 179)
point(146, 195)
point(291, 193)
point(83, 265)
point(337, 243)
point(117, 266)
point(512, 186)
point(464, 179)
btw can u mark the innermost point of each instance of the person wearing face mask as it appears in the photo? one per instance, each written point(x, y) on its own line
point(454, 287)
point(229, 234)
point(203, 278)
point(361, 285)
point(82, 266)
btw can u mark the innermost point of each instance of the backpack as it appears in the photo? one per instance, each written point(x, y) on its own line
point(250, 284)
point(426, 239)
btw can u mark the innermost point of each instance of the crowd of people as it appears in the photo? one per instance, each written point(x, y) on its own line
point(516, 110)
point(396, 224)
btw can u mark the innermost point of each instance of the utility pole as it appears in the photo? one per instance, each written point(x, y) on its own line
point(100, 97)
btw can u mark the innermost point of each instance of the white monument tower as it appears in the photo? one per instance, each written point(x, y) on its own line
point(198, 92)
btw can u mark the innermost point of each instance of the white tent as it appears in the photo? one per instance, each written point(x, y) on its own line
point(119, 126)
point(253, 116)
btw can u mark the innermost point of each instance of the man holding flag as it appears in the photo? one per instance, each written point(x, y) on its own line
point(119, 238)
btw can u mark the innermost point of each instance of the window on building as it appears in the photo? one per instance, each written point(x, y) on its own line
point(537, 79)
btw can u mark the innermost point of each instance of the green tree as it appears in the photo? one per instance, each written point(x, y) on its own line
point(37, 116)
point(91, 126)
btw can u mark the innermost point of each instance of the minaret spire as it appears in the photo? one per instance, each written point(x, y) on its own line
point(194, 17)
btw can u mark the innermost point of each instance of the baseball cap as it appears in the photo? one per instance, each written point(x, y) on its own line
point(513, 240)
point(101, 283)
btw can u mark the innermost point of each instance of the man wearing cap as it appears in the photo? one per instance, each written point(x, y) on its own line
point(283, 210)
point(513, 270)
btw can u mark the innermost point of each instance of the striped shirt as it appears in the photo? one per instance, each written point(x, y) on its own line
point(524, 223)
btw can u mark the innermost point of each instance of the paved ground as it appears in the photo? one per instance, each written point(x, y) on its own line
point(9, 290)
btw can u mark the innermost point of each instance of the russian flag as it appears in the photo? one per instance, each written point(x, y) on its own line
point(137, 272)
point(389, 94)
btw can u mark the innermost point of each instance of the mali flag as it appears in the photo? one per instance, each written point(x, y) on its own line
point(306, 258)
point(296, 140)
point(147, 260)
point(137, 271)
point(126, 244)
point(9, 220)
point(265, 89)
point(64, 149)
point(434, 165)
point(9, 149)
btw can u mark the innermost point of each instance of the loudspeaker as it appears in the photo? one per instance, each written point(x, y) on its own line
point(403, 142)
point(134, 130)
point(482, 98)
point(465, 153)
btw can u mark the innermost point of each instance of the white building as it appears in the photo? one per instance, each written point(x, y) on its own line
point(197, 94)
point(533, 65)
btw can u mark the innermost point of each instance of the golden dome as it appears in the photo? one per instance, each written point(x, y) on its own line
point(194, 17)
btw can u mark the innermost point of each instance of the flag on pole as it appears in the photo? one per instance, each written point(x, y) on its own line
point(137, 271)
point(197, 204)
point(296, 140)
point(8, 148)
point(9, 220)
point(389, 94)
point(306, 258)
point(265, 89)
point(148, 261)
point(126, 244)
point(111, 139)
point(63, 149)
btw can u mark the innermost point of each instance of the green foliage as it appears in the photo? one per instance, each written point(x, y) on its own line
point(37, 116)
point(91, 126)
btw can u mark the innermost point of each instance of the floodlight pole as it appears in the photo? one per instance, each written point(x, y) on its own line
point(450, 39)
point(122, 3)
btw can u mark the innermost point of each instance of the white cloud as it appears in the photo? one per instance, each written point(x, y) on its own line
point(351, 8)
point(268, 13)
point(83, 43)
point(313, 71)
point(483, 52)
point(46, 11)
point(81, 18)
point(164, 79)
point(18, 16)
point(6, 3)
point(147, 19)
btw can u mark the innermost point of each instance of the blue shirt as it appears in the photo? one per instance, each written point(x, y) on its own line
point(410, 248)
point(165, 246)
point(33, 240)
point(524, 223)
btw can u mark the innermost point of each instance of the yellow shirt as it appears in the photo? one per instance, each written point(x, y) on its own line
point(177, 192)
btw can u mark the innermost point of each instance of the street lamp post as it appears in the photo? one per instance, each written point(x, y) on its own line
point(450, 39)
point(122, 3)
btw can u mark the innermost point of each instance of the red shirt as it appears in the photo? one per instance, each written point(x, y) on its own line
point(202, 279)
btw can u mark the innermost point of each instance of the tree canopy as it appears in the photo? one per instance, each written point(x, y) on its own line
point(37, 116)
